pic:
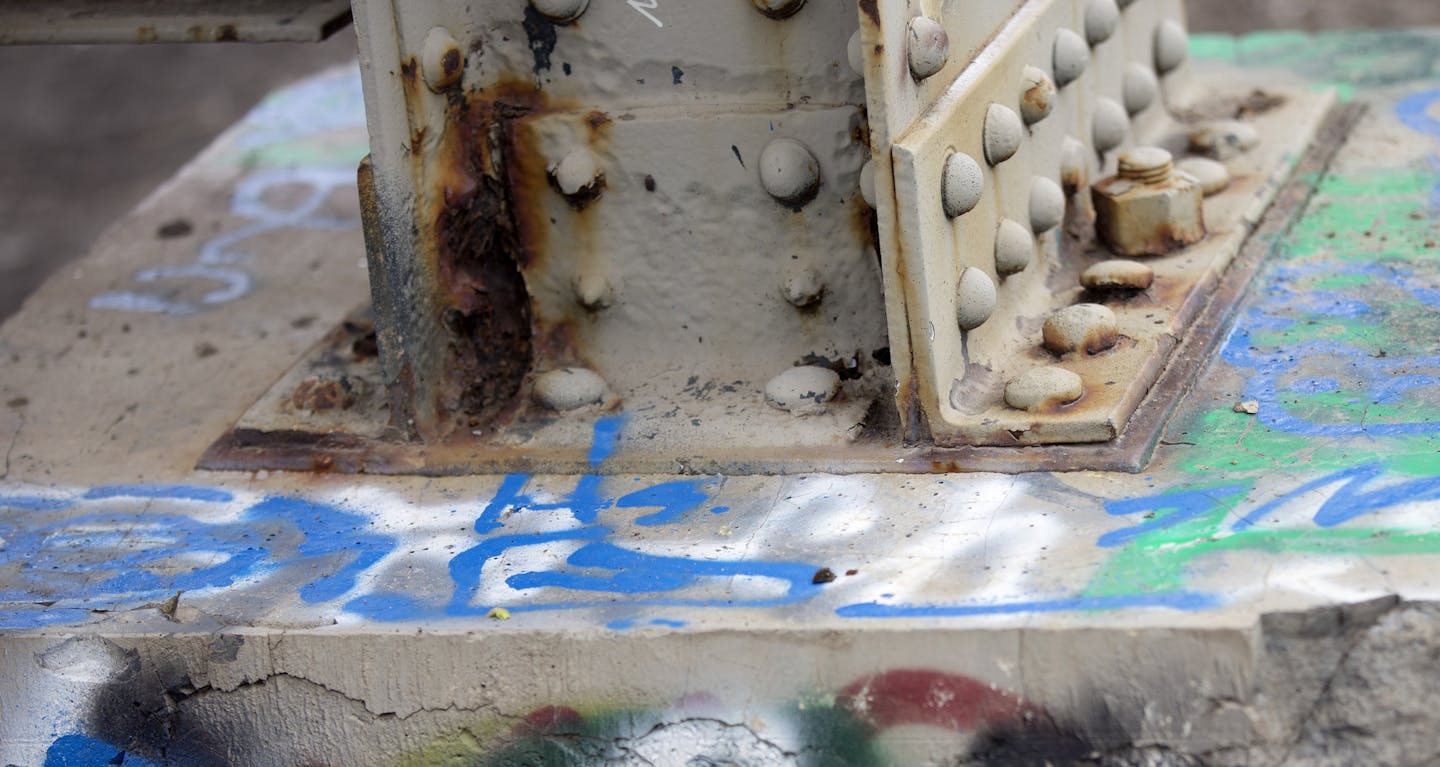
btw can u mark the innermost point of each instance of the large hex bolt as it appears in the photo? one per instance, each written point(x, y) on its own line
point(1148, 209)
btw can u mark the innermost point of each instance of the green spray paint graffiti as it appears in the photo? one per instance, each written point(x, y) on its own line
point(1352, 61)
point(1177, 529)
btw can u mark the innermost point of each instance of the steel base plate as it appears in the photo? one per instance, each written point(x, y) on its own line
point(329, 412)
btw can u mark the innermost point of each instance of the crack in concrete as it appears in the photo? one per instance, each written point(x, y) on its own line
point(1358, 631)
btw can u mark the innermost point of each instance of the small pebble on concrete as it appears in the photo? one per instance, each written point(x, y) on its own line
point(1249, 407)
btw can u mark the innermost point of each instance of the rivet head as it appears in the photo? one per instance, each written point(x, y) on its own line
point(1109, 125)
point(1071, 57)
point(1101, 19)
point(577, 176)
point(803, 287)
point(974, 298)
point(1037, 99)
point(1044, 388)
point(1047, 205)
point(1117, 274)
point(1140, 88)
point(1014, 247)
point(778, 9)
point(1088, 327)
point(569, 388)
point(441, 60)
point(867, 182)
point(805, 390)
point(1223, 139)
point(1172, 46)
point(1003, 133)
point(927, 47)
point(1074, 164)
point(593, 290)
point(560, 11)
point(789, 172)
point(963, 184)
point(855, 54)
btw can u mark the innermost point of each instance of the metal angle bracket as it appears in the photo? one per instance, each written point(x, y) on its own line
point(664, 271)
point(991, 225)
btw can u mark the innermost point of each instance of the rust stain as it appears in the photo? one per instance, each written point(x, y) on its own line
point(871, 9)
point(316, 394)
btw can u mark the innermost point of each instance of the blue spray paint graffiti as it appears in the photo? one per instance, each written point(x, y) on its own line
point(122, 547)
point(324, 104)
point(219, 262)
point(82, 751)
point(1283, 373)
point(602, 572)
point(1179, 526)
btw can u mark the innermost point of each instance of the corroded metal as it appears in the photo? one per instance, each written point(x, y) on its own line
point(576, 210)
point(274, 435)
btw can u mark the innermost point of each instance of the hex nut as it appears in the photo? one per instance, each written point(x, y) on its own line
point(441, 60)
point(1037, 95)
point(1003, 133)
point(1118, 274)
point(927, 47)
point(805, 390)
point(1043, 389)
point(1149, 213)
point(974, 298)
point(1083, 327)
point(1070, 57)
point(778, 9)
point(569, 388)
point(962, 186)
point(789, 172)
point(560, 11)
